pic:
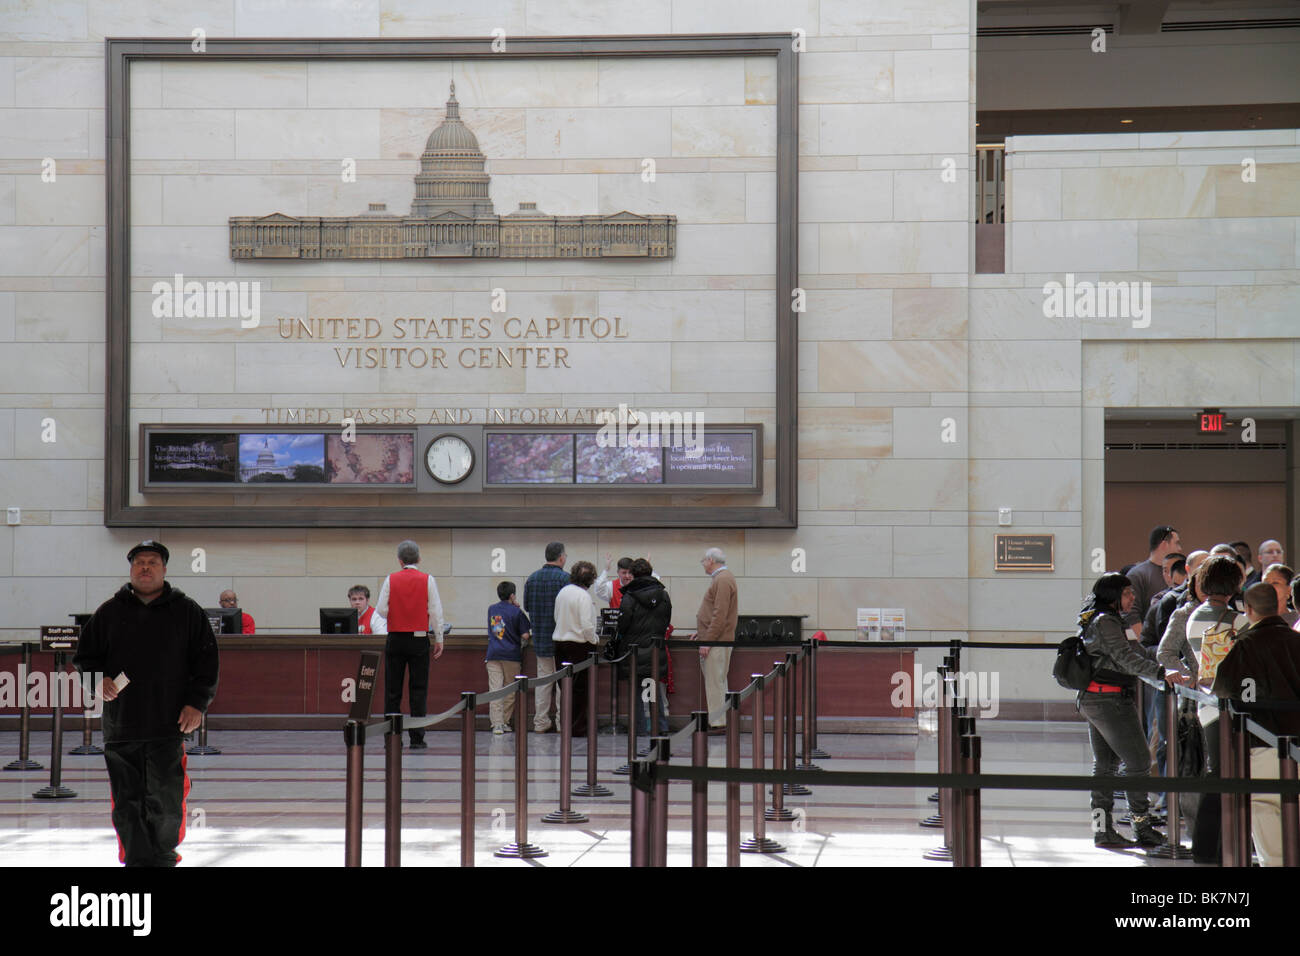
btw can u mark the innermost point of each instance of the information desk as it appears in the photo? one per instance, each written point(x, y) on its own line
point(296, 681)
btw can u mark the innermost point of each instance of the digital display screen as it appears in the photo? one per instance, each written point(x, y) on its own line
point(529, 458)
point(724, 459)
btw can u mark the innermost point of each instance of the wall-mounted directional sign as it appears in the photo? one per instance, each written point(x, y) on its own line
point(1024, 552)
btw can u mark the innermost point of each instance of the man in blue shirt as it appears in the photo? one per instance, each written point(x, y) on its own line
point(507, 630)
point(540, 591)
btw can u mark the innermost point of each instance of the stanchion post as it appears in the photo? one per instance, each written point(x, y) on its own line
point(660, 752)
point(354, 737)
point(24, 761)
point(56, 790)
point(632, 699)
point(814, 751)
point(732, 787)
point(700, 790)
point(778, 811)
point(1290, 803)
point(393, 791)
point(1242, 752)
point(1173, 848)
point(942, 728)
point(806, 739)
point(87, 746)
point(591, 788)
point(970, 764)
point(468, 747)
point(791, 715)
point(566, 814)
point(521, 849)
point(640, 837)
point(201, 748)
point(759, 842)
point(1227, 767)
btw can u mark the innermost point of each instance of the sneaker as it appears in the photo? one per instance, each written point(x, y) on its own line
point(498, 731)
point(1145, 833)
point(419, 745)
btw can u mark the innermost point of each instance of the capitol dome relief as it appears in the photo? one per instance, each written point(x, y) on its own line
point(452, 216)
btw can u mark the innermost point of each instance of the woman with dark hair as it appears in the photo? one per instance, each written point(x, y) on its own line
point(644, 614)
point(1110, 705)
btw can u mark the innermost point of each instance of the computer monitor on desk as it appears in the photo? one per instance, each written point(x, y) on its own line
point(225, 620)
point(338, 620)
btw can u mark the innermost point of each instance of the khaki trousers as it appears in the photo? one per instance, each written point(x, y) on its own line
point(544, 695)
point(714, 669)
point(1266, 808)
point(498, 672)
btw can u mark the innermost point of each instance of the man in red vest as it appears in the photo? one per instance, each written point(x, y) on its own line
point(409, 602)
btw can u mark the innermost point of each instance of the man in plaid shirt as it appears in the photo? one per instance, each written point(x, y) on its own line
point(540, 591)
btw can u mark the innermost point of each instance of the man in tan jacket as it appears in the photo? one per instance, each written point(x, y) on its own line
point(716, 621)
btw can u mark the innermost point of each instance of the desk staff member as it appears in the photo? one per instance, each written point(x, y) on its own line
point(369, 620)
point(231, 599)
point(156, 657)
point(409, 602)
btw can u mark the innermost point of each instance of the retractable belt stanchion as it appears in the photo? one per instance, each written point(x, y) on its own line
point(807, 737)
point(941, 726)
point(1227, 767)
point(24, 761)
point(354, 736)
point(631, 715)
point(1242, 754)
point(970, 801)
point(778, 811)
point(87, 747)
point(793, 788)
point(659, 753)
point(468, 746)
point(641, 809)
point(1173, 848)
point(1290, 803)
point(947, 667)
point(958, 813)
point(201, 748)
point(56, 790)
point(759, 842)
point(591, 788)
point(393, 791)
point(566, 814)
point(733, 788)
point(700, 790)
point(814, 750)
point(521, 849)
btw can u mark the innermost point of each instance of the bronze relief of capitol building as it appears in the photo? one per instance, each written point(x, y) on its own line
point(452, 216)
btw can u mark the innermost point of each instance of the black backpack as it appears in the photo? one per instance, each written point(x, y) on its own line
point(1074, 665)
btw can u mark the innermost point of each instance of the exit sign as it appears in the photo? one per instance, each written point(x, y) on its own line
point(1211, 422)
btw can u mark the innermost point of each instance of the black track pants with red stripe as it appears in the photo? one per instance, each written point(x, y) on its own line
point(149, 785)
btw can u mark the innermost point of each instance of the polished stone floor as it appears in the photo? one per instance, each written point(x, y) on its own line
point(276, 799)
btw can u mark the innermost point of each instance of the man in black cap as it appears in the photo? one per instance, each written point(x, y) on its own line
point(157, 656)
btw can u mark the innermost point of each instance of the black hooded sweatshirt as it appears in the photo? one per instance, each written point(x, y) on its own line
point(165, 648)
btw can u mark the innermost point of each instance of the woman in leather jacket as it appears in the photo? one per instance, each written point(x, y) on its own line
point(1110, 705)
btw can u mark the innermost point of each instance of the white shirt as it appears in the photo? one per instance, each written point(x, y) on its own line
point(435, 605)
point(575, 616)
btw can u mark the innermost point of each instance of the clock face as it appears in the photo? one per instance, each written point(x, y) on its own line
point(449, 459)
